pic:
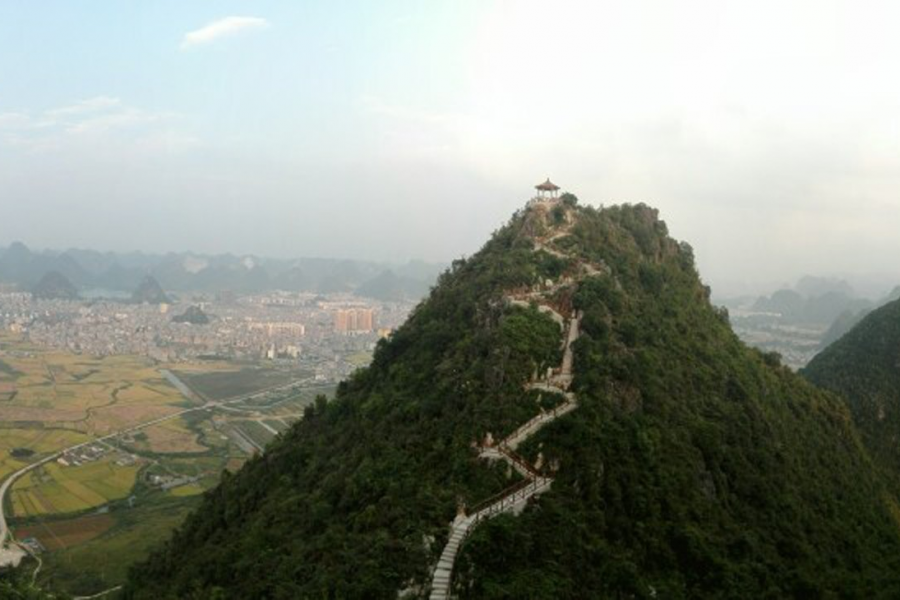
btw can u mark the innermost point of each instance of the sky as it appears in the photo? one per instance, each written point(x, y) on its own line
point(765, 132)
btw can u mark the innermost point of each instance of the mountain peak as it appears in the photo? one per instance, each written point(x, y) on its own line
point(149, 291)
point(577, 348)
point(55, 286)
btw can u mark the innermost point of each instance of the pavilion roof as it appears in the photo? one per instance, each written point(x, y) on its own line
point(547, 186)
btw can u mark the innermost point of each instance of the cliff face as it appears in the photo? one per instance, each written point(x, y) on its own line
point(690, 466)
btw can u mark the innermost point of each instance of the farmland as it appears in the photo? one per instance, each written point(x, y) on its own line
point(228, 383)
point(114, 498)
point(54, 489)
point(59, 535)
point(101, 558)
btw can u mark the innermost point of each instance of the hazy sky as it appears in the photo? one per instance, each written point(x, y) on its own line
point(765, 132)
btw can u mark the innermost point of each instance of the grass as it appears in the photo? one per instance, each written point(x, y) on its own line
point(173, 436)
point(255, 431)
point(277, 425)
point(103, 561)
point(59, 535)
point(190, 489)
point(7, 369)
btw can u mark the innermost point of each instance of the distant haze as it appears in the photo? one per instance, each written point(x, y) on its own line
point(765, 132)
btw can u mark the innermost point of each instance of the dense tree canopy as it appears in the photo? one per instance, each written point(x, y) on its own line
point(864, 367)
point(692, 466)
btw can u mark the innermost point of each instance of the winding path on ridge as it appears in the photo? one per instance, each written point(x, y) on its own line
point(514, 499)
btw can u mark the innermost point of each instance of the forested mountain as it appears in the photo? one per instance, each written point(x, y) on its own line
point(123, 272)
point(149, 291)
point(19, 265)
point(389, 286)
point(848, 319)
point(54, 286)
point(692, 466)
point(800, 308)
point(864, 366)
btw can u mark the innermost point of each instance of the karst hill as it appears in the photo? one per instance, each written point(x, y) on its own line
point(863, 367)
point(565, 416)
point(150, 292)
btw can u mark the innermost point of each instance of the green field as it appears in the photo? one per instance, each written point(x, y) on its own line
point(103, 561)
point(256, 432)
point(35, 438)
point(220, 385)
point(55, 489)
point(277, 425)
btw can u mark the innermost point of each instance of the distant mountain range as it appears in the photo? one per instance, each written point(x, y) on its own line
point(813, 300)
point(817, 300)
point(801, 320)
point(188, 272)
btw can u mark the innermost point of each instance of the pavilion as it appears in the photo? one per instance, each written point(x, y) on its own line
point(547, 190)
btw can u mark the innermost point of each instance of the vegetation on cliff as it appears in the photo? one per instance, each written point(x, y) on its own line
point(864, 367)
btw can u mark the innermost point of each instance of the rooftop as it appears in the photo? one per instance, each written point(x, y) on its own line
point(547, 186)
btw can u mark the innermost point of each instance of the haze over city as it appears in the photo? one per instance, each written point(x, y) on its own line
point(766, 133)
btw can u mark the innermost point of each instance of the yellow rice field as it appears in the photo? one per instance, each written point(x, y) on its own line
point(60, 489)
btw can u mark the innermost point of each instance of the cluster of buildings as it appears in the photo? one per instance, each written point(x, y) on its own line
point(90, 453)
point(321, 331)
point(168, 482)
point(354, 320)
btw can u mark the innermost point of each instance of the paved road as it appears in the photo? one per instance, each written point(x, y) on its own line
point(8, 555)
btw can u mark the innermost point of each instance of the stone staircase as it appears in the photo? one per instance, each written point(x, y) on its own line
point(515, 498)
point(528, 429)
point(511, 501)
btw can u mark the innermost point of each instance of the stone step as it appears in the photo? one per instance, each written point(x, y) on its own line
point(559, 383)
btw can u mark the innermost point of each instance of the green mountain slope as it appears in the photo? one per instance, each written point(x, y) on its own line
point(864, 366)
point(692, 466)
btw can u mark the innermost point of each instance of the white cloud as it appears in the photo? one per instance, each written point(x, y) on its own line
point(123, 118)
point(100, 120)
point(221, 28)
point(91, 105)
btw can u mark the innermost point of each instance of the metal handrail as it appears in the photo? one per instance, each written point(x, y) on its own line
point(543, 416)
point(519, 485)
point(533, 480)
